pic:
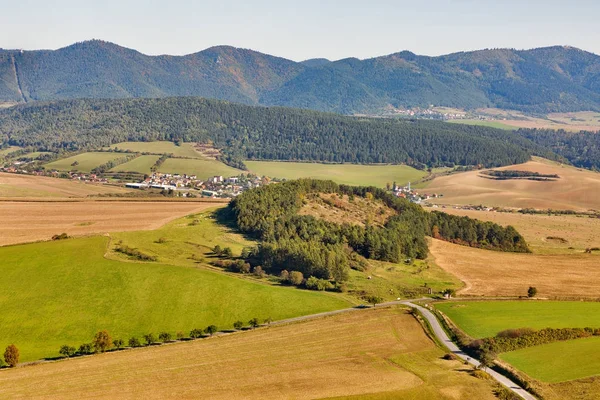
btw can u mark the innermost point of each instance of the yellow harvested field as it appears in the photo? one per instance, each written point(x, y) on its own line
point(542, 232)
point(363, 352)
point(577, 189)
point(572, 121)
point(492, 273)
point(14, 185)
point(24, 221)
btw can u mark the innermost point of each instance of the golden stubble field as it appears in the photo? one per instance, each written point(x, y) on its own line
point(577, 189)
point(492, 273)
point(29, 221)
point(356, 353)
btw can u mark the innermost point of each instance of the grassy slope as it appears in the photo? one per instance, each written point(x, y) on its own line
point(87, 161)
point(350, 174)
point(383, 351)
point(491, 124)
point(185, 150)
point(9, 149)
point(203, 169)
point(141, 164)
point(549, 364)
point(487, 318)
point(56, 293)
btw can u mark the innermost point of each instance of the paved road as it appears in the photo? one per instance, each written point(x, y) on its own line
point(443, 337)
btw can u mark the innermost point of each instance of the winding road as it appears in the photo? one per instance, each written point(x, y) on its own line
point(443, 337)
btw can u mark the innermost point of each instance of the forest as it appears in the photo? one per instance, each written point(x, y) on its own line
point(262, 133)
point(326, 250)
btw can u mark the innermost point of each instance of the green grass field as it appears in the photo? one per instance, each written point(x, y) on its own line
point(185, 150)
point(9, 149)
point(478, 122)
point(558, 361)
point(87, 161)
point(487, 318)
point(141, 164)
point(349, 174)
point(56, 293)
point(203, 169)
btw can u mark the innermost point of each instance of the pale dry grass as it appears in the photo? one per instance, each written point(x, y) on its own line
point(348, 354)
point(24, 221)
point(577, 189)
point(580, 232)
point(332, 208)
point(492, 273)
point(14, 185)
point(572, 122)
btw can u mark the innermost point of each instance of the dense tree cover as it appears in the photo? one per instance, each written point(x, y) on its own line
point(246, 132)
point(516, 174)
point(325, 249)
point(538, 80)
point(581, 149)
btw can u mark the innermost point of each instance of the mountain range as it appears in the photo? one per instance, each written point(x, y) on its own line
point(558, 78)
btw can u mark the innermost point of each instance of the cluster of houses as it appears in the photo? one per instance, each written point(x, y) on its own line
point(406, 192)
point(190, 185)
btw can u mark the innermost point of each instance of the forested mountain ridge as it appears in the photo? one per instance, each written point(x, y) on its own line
point(265, 133)
point(548, 79)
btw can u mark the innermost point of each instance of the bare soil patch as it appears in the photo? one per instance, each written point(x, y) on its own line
point(577, 189)
point(492, 273)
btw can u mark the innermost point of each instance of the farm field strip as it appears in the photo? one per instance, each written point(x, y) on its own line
point(159, 147)
point(86, 161)
point(350, 174)
point(353, 354)
point(141, 164)
point(481, 319)
point(559, 361)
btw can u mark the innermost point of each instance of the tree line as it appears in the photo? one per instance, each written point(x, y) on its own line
point(269, 133)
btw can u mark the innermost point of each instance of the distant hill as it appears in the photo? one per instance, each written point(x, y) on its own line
point(548, 79)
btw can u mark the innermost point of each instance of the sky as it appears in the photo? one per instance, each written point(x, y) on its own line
point(302, 29)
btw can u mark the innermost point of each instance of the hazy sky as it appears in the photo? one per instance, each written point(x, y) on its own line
point(304, 28)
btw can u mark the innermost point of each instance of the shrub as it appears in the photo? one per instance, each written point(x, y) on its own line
point(238, 325)
point(62, 236)
point(164, 336)
point(134, 253)
point(211, 330)
point(134, 342)
point(227, 252)
point(531, 292)
point(284, 276)
point(102, 341)
point(239, 266)
point(11, 355)
point(67, 351)
point(514, 333)
point(85, 348)
point(180, 335)
point(149, 338)
point(449, 357)
point(296, 278)
point(268, 320)
point(254, 323)
point(196, 333)
point(118, 343)
point(217, 250)
point(258, 271)
point(313, 283)
point(161, 240)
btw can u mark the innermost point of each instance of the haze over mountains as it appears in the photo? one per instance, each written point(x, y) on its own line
point(540, 80)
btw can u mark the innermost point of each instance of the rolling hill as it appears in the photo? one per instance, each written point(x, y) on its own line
point(558, 78)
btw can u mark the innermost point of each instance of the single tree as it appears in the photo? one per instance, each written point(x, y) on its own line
point(227, 252)
point(134, 342)
point(118, 343)
point(66, 351)
point(11, 355)
point(180, 335)
point(284, 276)
point(217, 250)
point(149, 338)
point(238, 325)
point(85, 348)
point(102, 342)
point(268, 320)
point(486, 358)
point(531, 292)
point(258, 271)
point(296, 278)
point(374, 300)
point(211, 330)
point(164, 337)
point(254, 323)
point(196, 333)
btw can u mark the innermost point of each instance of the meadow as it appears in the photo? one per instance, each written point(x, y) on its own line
point(374, 354)
point(87, 161)
point(349, 174)
point(15, 186)
point(203, 169)
point(489, 123)
point(141, 164)
point(29, 221)
point(576, 189)
point(492, 273)
point(56, 293)
point(546, 364)
point(159, 147)
point(481, 319)
point(9, 149)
